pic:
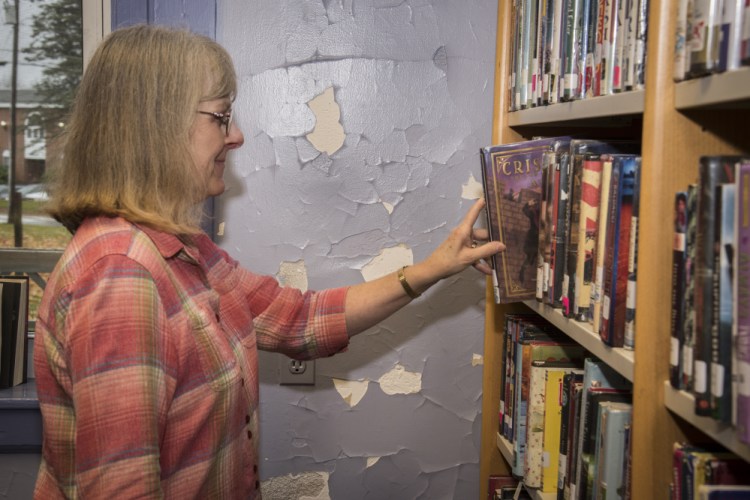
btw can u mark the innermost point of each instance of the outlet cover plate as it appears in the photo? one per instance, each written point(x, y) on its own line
point(294, 372)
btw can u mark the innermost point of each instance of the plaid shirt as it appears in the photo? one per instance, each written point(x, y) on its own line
point(146, 364)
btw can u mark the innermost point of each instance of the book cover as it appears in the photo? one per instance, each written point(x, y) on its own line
point(741, 326)
point(587, 235)
point(632, 279)
point(536, 424)
point(596, 374)
point(595, 311)
point(612, 330)
point(688, 329)
point(558, 286)
point(512, 178)
point(528, 352)
point(704, 37)
point(721, 330)
point(572, 384)
point(678, 289)
point(614, 422)
point(712, 171)
point(14, 315)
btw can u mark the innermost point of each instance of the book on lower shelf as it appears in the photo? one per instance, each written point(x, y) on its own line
point(14, 319)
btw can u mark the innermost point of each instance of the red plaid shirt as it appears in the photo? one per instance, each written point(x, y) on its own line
point(146, 364)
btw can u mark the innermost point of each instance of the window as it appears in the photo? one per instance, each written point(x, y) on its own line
point(43, 47)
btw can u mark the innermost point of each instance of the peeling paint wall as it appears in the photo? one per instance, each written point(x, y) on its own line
point(363, 121)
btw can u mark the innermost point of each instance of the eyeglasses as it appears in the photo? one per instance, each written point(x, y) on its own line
point(225, 119)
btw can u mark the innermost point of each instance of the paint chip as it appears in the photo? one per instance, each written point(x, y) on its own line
point(372, 461)
point(293, 274)
point(352, 391)
point(472, 190)
point(400, 381)
point(328, 135)
point(220, 229)
point(477, 359)
point(387, 261)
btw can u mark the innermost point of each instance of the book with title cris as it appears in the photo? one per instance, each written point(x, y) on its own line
point(512, 179)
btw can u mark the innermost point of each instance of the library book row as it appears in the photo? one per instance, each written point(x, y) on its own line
point(567, 211)
point(565, 422)
point(565, 50)
point(710, 316)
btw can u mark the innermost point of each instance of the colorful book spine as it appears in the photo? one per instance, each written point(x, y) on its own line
point(630, 296)
point(688, 329)
point(601, 246)
point(587, 235)
point(713, 170)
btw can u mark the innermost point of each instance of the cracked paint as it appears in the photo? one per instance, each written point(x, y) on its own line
point(328, 134)
point(352, 391)
point(400, 381)
point(409, 84)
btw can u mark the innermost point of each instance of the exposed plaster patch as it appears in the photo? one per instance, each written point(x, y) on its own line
point(306, 486)
point(400, 381)
point(472, 190)
point(328, 135)
point(293, 274)
point(389, 208)
point(220, 230)
point(477, 359)
point(352, 391)
point(387, 261)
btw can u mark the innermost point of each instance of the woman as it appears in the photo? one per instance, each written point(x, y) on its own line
point(147, 337)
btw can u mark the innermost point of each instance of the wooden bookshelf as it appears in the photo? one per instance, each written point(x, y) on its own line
point(676, 124)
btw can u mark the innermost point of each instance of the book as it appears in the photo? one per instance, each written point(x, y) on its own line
point(632, 273)
point(588, 227)
point(678, 289)
point(730, 40)
point(545, 227)
point(14, 316)
point(595, 312)
point(713, 170)
point(558, 286)
point(614, 422)
point(596, 374)
point(741, 294)
point(704, 37)
point(720, 395)
point(512, 179)
point(572, 385)
point(688, 329)
point(723, 492)
point(544, 375)
point(619, 220)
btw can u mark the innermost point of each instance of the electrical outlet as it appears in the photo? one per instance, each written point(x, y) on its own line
point(295, 372)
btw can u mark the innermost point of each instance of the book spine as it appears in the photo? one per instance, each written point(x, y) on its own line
point(688, 328)
point(561, 232)
point(678, 289)
point(545, 228)
point(680, 60)
point(640, 46)
point(601, 245)
point(745, 35)
point(741, 355)
point(721, 331)
point(704, 57)
point(572, 47)
point(714, 170)
point(632, 274)
point(574, 240)
point(587, 235)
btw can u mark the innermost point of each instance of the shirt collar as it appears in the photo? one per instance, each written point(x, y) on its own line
point(170, 245)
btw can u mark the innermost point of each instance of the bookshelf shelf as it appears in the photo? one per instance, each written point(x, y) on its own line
point(616, 108)
point(507, 451)
point(622, 360)
point(682, 404)
point(724, 90)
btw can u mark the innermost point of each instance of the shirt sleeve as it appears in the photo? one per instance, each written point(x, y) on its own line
point(301, 325)
point(119, 382)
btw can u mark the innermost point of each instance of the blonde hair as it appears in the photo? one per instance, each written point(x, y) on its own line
point(125, 151)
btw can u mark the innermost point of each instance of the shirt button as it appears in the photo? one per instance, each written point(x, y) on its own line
point(242, 382)
point(249, 434)
point(247, 419)
point(257, 484)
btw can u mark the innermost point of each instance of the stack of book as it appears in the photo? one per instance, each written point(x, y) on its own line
point(707, 472)
point(567, 211)
point(710, 323)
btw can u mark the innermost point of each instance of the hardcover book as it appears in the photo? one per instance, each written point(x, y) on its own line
point(688, 329)
point(678, 289)
point(614, 421)
point(595, 312)
point(713, 170)
point(741, 326)
point(512, 178)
